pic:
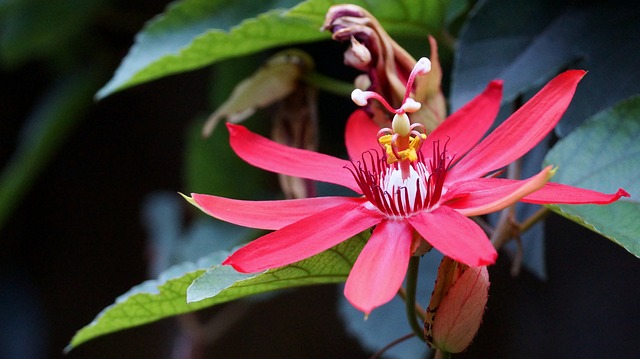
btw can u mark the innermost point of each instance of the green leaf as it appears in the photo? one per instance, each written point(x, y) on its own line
point(526, 43)
point(149, 301)
point(604, 154)
point(331, 266)
point(167, 296)
point(195, 33)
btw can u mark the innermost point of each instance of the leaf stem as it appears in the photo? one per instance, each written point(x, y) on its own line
point(410, 299)
point(329, 84)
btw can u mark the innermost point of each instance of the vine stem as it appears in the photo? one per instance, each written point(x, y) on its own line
point(410, 298)
point(504, 228)
point(539, 215)
point(420, 312)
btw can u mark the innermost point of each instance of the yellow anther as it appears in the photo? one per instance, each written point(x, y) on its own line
point(395, 154)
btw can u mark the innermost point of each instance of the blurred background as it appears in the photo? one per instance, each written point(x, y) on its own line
point(76, 175)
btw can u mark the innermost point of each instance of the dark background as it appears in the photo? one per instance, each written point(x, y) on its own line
point(76, 242)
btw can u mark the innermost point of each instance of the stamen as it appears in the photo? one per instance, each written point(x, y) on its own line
point(422, 67)
point(361, 98)
point(410, 105)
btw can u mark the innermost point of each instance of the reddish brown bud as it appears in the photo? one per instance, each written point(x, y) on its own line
point(457, 306)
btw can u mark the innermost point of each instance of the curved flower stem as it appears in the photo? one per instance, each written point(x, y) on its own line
point(410, 298)
point(379, 353)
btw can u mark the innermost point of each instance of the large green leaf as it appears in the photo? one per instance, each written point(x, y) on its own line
point(167, 296)
point(604, 154)
point(331, 266)
point(526, 43)
point(195, 33)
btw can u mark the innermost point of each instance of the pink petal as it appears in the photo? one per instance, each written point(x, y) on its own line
point(271, 156)
point(265, 214)
point(564, 194)
point(360, 134)
point(381, 266)
point(304, 238)
point(464, 128)
point(485, 195)
point(520, 132)
point(455, 236)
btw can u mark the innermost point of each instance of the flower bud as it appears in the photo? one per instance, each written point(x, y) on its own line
point(357, 56)
point(388, 66)
point(457, 305)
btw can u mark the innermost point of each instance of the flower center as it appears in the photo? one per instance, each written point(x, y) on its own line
point(401, 183)
point(398, 195)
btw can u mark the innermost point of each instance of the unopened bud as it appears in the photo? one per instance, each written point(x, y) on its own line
point(457, 306)
point(357, 56)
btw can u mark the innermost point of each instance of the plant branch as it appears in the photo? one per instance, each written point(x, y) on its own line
point(539, 215)
point(505, 228)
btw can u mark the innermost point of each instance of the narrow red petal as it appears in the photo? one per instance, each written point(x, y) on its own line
point(485, 195)
point(464, 128)
point(271, 156)
point(304, 238)
point(381, 266)
point(360, 134)
point(265, 214)
point(455, 236)
point(520, 132)
point(557, 193)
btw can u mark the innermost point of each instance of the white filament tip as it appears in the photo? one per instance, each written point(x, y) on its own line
point(359, 97)
point(410, 105)
point(423, 66)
